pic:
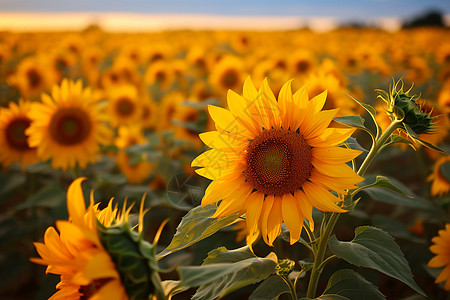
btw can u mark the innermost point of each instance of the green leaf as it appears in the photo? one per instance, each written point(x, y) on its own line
point(353, 121)
point(382, 182)
point(218, 280)
point(172, 287)
point(395, 138)
point(374, 248)
point(50, 196)
point(223, 255)
point(429, 145)
point(372, 112)
point(387, 196)
point(196, 225)
point(332, 297)
point(352, 285)
point(270, 289)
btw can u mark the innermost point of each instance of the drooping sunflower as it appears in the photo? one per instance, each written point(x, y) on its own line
point(275, 160)
point(77, 255)
point(89, 252)
point(14, 147)
point(441, 248)
point(68, 126)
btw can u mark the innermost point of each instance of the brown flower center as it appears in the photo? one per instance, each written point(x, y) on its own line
point(34, 78)
point(125, 107)
point(278, 161)
point(15, 133)
point(70, 126)
point(303, 66)
point(230, 78)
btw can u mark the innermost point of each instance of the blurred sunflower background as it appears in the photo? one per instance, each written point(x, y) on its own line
point(120, 94)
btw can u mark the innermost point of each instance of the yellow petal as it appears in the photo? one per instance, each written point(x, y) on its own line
point(284, 99)
point(233, 203)
point(218, 190)
point(319, 101)
point(301, 98)
point(341, 170)
point(75, 202)
point(268, 105)
point(216, 140)
point(306, 207)
point(321, 198)
point(334, 155)
point(331, 137)
point(292, 216)
point(437, 262)
point(274, 221)
point(317, 125)
point(267, 207)
point(254, 208)
point(113, 290)
point(100, 266)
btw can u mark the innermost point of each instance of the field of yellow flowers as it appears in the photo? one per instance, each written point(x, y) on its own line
point(125, 112)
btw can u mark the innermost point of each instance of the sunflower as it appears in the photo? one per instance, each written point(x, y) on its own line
point(441, 248)
point(32, 77)
point(275, 160)
point(123, 105)
point(441, 184)
point(227, 74)
point(14, 147)
point(77, 254)
point(68, 126)
point(134, 172)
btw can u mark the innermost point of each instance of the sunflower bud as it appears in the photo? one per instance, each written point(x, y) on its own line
point(134, 259)
point(284, 267)
point(404, 107)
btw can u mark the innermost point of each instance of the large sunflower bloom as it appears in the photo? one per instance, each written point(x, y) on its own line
point(275, 160)
point(76, 252)
point(14, 147)
point(441, 248)
point(68, 126)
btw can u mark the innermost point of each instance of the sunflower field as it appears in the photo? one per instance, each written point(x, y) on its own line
point(225, 164)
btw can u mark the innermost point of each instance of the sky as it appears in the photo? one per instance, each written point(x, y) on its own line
point(148, 15)
point(355, 9)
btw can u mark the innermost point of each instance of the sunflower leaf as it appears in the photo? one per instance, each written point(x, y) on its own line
point(384, 195)
point(353, 121)
point(196, 225)
point(372, 112)
point(352, 285)
point(270, 289)
point(219, 279)
point(383, 182)
point(374, 248)
point(395, 138)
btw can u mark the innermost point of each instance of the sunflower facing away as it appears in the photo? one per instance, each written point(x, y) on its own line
point(68, 126)
point(14, 145)
point(76, 252)
point(441, 248)
point(275, 160)
point(94, 249)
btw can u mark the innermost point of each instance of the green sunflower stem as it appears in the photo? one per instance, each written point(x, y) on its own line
point(291, 287)
point(318, 260)
point(376, 147)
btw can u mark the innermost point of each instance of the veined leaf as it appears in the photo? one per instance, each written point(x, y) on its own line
point(352, 285)
point(388, 196)
point(270, 289)
point(223, 255)
point(196, 225)
point(372, 112)
point(218, 280)
point(382, 182)
point(373, 248)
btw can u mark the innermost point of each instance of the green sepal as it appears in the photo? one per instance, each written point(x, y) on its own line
point(134, 259)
